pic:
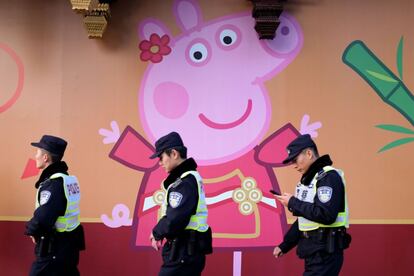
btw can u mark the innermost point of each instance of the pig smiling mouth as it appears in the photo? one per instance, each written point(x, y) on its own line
point(235, 123)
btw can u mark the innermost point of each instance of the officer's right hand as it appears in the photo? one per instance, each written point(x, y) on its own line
point(33, 239)
point(277, 252)
point(284, 199)
point(154, 243)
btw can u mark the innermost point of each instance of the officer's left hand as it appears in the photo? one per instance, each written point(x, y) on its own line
point(154, 243)
point(277, 252)
point(284, 199)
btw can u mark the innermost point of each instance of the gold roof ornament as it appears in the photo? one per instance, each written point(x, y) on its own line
point(95, 15)
point(266, 14)
point(96, 21)
point(83, 6)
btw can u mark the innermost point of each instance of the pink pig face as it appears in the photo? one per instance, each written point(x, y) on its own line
point(210, 88)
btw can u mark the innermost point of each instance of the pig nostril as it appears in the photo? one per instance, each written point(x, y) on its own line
point(171, 100)
point(285, 30)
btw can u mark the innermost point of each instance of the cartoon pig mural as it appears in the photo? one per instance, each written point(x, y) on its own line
point(208, 85)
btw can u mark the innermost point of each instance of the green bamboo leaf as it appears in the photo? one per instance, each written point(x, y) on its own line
point(381, 76)
point(400, 57)
point(395, 128)
point(397, 143)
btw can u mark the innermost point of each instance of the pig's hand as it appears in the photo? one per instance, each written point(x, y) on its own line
point(306, 128)
point(110, 136)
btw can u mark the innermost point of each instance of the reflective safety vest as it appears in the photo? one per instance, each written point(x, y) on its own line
point(71, 219)
point(198, 221)
point(308, 193)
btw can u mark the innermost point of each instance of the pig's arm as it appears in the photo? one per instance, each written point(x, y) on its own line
point(132, 150)
point(272, 151)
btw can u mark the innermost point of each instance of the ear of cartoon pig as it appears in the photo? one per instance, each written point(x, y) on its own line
point(156, 39)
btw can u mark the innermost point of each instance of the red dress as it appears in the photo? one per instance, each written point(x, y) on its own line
point(242, 212)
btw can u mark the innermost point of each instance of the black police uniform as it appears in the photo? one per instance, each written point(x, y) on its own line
point(184, 251)
point(322, 251)
point(57, 253)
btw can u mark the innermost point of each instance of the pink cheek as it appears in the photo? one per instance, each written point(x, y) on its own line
point(171, 100)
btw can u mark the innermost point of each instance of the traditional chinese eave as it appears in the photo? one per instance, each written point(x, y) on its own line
point(266, 14)
point(95, 15)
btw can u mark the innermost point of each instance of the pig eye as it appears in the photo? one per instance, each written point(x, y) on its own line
point(228, 37)
point(198, 52)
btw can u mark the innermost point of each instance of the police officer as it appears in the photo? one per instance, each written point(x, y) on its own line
point(55, 228)
point(321, 207)
point(183, 224)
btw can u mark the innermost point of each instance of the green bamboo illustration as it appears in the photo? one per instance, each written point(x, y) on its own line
point(385, 83)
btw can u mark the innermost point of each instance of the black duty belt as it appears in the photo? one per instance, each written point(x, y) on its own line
point(320, 232)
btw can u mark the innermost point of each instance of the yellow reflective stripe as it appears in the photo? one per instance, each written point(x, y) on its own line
point(71, 219)
point(198, 221)
point(37, 199)
point(67, 224)
point(341, 220)
point(310, 225)
point(72, 207)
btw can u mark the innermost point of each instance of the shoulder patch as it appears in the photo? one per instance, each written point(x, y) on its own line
point(174, 199)
point(324, 194)
point(44, 197)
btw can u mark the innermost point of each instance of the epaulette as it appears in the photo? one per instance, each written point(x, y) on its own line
point(176, 183)
point(46, 181)
point(321, 175)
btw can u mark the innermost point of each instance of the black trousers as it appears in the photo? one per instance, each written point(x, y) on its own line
point(63, 262)
point(189, 267)
point(179, 263)
point(324, 264)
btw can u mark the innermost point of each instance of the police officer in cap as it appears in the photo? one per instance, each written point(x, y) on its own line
point(55, 227)
point(321, 208)
point(182, 231)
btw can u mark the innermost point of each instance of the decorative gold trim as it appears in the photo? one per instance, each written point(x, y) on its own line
point(373, 221)
point(22, 218)
point(158, 197)
point(14, 218)
point(225, 177)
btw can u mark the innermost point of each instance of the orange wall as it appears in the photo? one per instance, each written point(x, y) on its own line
point(73, 86)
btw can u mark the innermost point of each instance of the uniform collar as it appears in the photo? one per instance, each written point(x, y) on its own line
point(57, 167)
point(185, 166)
point(316, 167)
